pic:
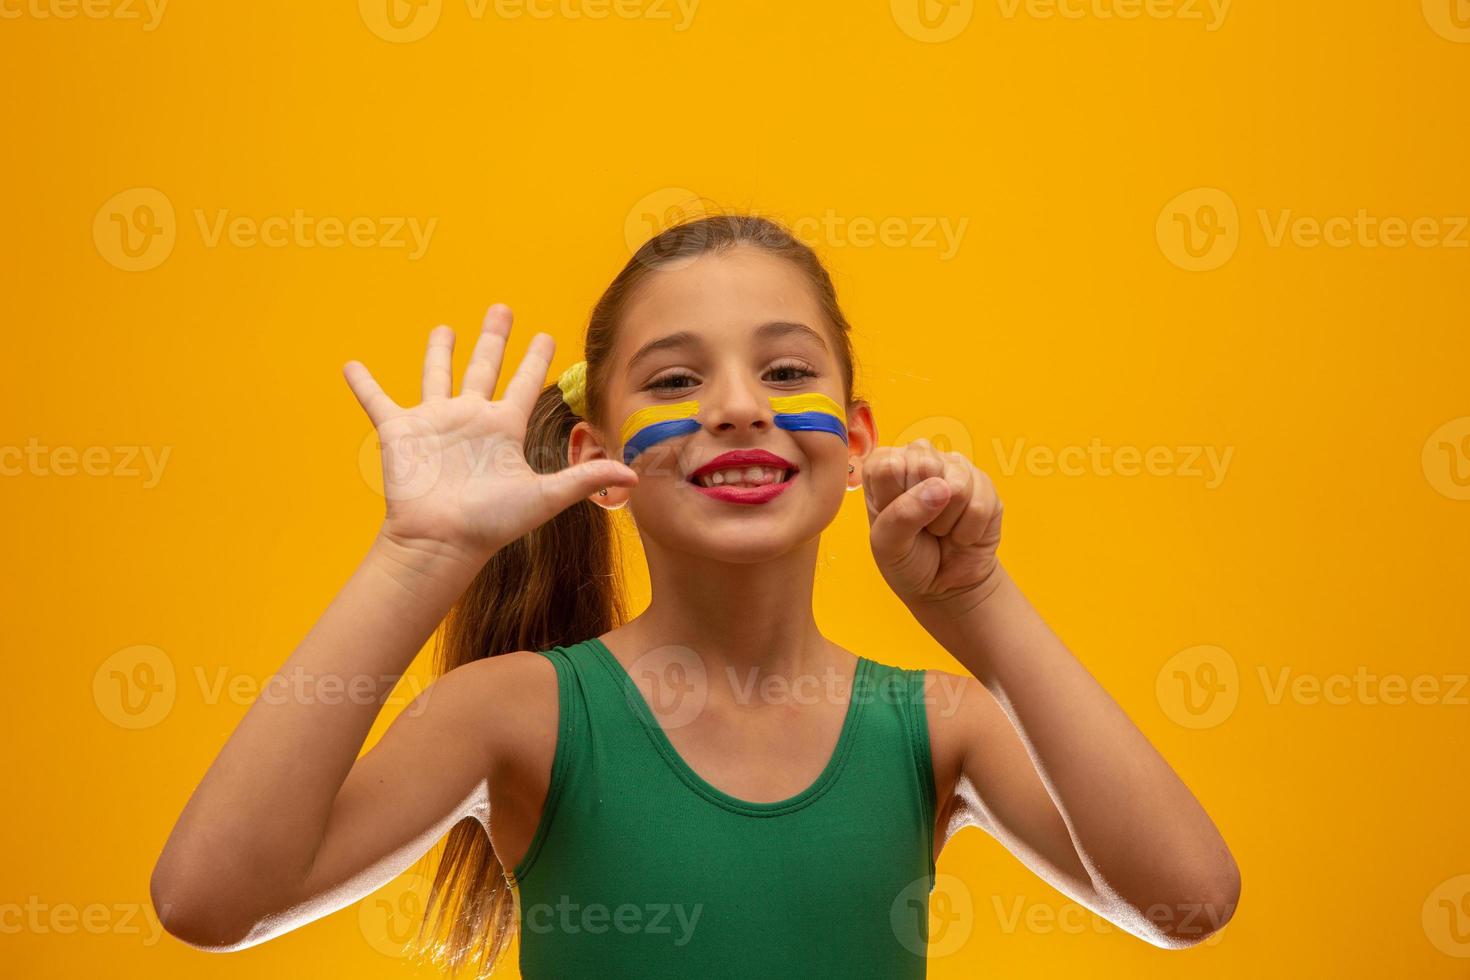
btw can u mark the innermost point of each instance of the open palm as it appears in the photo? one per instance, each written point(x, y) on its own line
point(455, 473)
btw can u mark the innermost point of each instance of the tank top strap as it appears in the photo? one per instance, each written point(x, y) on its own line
point(901, 691)
point(574, 721)
point(599, 735)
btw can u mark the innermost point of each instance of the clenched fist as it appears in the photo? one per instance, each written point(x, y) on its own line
point(935, 524)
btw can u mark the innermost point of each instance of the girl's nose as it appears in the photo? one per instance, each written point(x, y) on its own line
point(734, 407)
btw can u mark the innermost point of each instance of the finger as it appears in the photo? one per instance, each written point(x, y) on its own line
point(984, 510)
point(896, 469)
point(438, 376)
point(899, 523)
point(369, 393)
point(526, 384)
point(882, 479)
point(484, 367)
point(921, 461)
point(959, 474)
point(565, 487)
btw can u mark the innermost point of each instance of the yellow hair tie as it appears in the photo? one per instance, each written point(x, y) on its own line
point(573, 385)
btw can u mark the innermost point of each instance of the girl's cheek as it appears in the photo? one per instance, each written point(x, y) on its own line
point(810, 411)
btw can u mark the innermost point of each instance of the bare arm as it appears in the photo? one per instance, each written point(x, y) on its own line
point(236, 865)
point(288, 824)
point(1146, 854)
point(1054, 769)
point(987, 780)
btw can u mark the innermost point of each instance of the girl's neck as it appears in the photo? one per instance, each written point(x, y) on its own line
point(740, 616)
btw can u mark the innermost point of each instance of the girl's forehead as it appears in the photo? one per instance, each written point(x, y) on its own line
point(728, 295)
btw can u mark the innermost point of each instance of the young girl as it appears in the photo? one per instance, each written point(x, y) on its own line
point(711, 788)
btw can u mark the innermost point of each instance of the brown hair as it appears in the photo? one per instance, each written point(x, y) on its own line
point(561, 583)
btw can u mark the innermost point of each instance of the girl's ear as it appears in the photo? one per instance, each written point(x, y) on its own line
point(862, 439)
point(584, 444)
point(862, 428)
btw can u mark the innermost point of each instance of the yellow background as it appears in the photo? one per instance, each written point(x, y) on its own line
point(1336, 544)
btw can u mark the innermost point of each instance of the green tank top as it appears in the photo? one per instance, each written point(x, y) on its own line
point(640, 868)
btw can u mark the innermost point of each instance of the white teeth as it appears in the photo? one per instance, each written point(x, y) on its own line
point(750, 476)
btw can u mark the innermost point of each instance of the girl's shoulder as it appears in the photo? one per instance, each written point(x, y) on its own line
point(515, 705)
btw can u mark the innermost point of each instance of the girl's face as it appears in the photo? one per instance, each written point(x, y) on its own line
point(729, 331)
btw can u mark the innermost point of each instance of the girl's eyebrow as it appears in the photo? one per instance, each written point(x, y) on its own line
point(686, 338)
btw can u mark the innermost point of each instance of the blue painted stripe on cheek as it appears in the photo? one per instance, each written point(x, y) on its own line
point(651, 435)
point(811, 422)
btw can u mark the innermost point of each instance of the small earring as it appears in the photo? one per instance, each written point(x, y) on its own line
point(849, 467)
point(602, 492)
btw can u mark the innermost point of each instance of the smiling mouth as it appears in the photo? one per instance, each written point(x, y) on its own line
point(747, 477)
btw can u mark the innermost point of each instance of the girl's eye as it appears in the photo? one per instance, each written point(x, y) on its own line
point(792, 372)
point(795, 372)
point(667, 381)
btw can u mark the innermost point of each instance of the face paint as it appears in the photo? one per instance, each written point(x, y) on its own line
point(809, 412)
point(654, 424)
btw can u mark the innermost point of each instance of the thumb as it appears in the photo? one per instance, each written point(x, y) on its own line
point(565, 487)
point(896, 526)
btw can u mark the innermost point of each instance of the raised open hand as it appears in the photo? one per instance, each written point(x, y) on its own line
point(455, 473)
